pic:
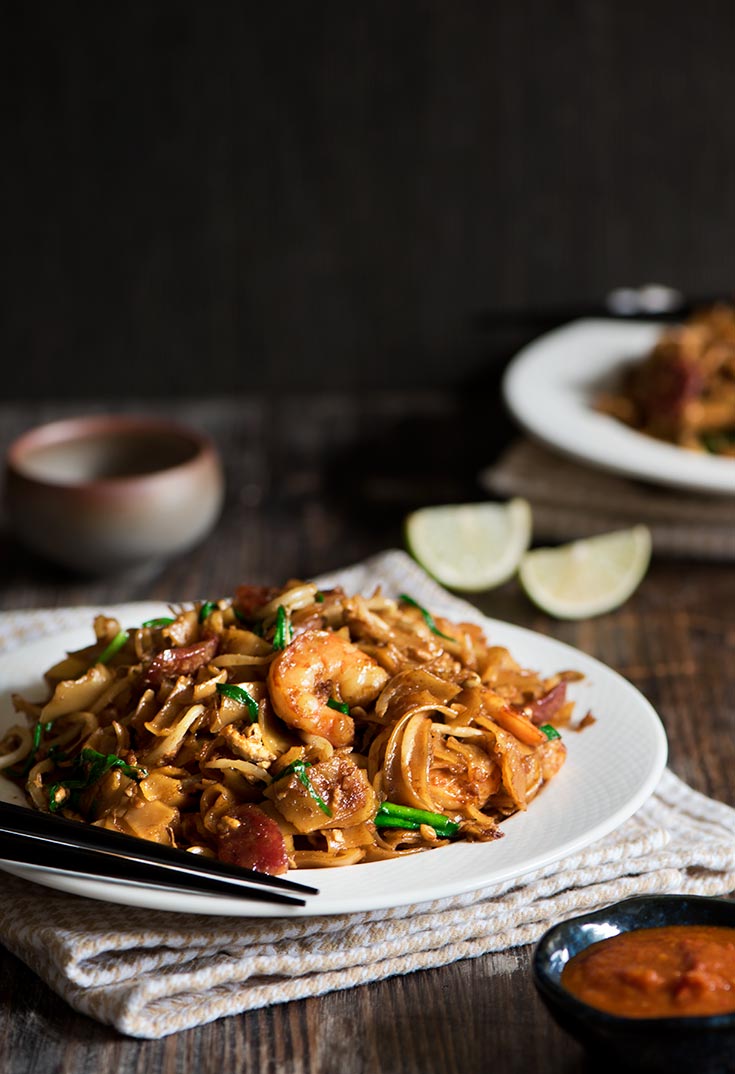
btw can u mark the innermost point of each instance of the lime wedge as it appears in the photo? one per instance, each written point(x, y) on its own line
point(471, 546)
point(588, 577)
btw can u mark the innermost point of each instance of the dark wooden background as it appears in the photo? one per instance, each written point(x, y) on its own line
point(212, 197)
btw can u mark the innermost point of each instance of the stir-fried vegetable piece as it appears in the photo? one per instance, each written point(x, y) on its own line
point(156, 624)
point(239, 693)
point(391, 815)
point(549, 730)
point(428, 617)
point(298, 769)
point(339, 706)
point(114, 647)
point(90, 767)
point(284, 630)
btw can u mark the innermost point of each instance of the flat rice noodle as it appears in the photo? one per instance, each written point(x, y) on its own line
point(242, 660)
point(414, 688)
point(108, 696)
point(276, 735)
point(77, 725)
point(318, 748)
point(28, 708)
point(360, 835)
point(322, 859)
point(166, 747)
point(215, 800)
point(16, 746)
point(498, 662)
point(510, 754)
point(150, 820)
point(406, 765)
point(179, 696)
point(229, 711)
point(160, 785)
point(72, 666)
point(461, 774)
point(300, 595)
point(237, 640)
point(34, 784)
point(207, 687)
point(76, 695)
point(365, 624)
point(246, 768)
point(185, 628)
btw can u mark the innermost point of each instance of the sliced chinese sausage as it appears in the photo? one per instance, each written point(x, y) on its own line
point(182, 660)
point(247, 837)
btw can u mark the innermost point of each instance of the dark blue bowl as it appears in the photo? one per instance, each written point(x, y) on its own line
point(698, 1045)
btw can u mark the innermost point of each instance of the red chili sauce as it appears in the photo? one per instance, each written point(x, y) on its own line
point(673, 971)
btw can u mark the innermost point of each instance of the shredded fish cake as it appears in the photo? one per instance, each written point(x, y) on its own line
point(291, 728)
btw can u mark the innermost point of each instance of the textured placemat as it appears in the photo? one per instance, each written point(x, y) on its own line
point(570, 500)
point(151, 973)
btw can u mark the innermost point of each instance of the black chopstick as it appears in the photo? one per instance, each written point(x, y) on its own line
point(60, 834)
point(27, 850)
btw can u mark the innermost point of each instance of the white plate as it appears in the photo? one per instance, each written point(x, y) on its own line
point(612, 768)
point(550, 388)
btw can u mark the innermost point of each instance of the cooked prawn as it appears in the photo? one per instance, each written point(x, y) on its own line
point(318, 667)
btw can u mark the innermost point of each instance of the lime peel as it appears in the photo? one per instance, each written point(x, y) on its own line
point(587, 577)
point(470, 547)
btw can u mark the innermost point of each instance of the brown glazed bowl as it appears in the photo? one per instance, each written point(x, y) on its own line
point(104, 493)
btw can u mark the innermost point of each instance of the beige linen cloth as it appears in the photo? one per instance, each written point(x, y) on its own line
point(570, 500)
point(151, 973)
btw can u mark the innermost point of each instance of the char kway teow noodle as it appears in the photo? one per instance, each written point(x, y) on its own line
point(291, 728)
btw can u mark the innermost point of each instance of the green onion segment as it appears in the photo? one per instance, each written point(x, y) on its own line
point(284, 630)
point(39, 730)
point(114, 646)
point(90, 767)
point(550, 731)
point(156, 624)
point(339, 706)
point(240, 694)
point(391, 815)
point(298, 769)
point(428, 617)
point(206, 610)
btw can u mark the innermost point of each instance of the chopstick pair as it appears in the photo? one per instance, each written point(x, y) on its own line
point(30, 838)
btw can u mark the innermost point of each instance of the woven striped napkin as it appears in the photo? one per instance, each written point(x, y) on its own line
point(152, 973)
point(570, 500)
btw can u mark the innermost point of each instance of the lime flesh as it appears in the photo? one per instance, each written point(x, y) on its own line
point(470, 547)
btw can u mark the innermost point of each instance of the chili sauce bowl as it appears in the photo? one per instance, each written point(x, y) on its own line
point(705, 1044)
point(97, 494)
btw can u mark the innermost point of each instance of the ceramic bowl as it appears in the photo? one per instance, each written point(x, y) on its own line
point(104, 493)
point(675, 1045)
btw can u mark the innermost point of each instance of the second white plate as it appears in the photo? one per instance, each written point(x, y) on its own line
point(550, 387)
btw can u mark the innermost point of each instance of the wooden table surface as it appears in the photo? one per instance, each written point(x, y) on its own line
point(316, 483)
